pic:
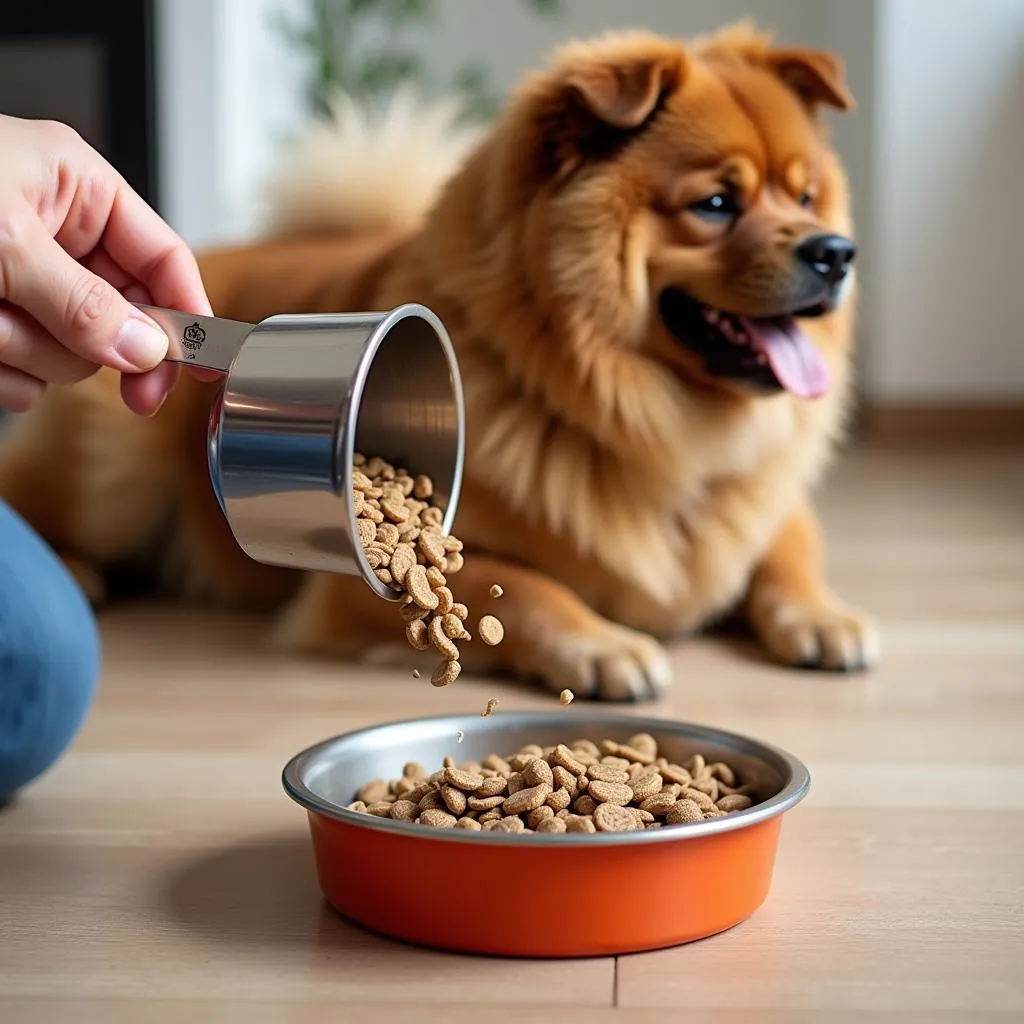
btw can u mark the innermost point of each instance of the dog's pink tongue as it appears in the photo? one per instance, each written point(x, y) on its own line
point(793, 357)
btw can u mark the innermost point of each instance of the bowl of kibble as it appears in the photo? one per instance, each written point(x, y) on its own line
point(539, 834)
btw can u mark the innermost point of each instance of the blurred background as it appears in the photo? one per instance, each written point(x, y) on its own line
point(195, 100)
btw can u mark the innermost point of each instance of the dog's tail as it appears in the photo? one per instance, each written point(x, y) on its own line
point(353, 172)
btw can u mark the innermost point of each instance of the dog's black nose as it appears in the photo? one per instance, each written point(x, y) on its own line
point(829, 256)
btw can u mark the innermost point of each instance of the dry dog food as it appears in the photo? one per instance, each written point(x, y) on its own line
point(579, 787)
point(489, 710)
point(566, 697)
point(401, 535)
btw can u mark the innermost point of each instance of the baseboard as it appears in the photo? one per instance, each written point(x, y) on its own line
point(941, 423)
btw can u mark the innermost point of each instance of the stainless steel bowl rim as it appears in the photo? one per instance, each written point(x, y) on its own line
point(794, 788)
point(358, 383)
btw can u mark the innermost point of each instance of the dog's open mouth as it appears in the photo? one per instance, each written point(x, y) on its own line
point(769, 353)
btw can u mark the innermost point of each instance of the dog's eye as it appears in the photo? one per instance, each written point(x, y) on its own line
point(720, 206)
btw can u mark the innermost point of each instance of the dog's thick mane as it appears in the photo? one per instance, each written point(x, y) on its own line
point(572, 431)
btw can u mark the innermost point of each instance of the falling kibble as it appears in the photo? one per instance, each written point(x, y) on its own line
point(415, 673)
point(461, 735)
point(489, 710)
point(490, 630)
point(496, 591)
point(566, 696)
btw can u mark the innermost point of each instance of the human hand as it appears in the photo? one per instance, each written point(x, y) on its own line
point(77, 247)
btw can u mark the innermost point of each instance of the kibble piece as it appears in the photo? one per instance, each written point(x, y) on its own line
point(553, 825)
point(607, 773)
point(566, 697)
point(492, 786)
point(435, 631)
point(402, 561)
point(460, 610)
point(579, 823)
point(563, 756)
point(416, 635)
point(735, 802)
point(486, 803)
point(513, 824)
point(560, 799)
point(490, 630)
point(454, 799)
point(404, 810)
point(419, 589)
point(489, 710)
point(683, 813)
point(436, 578)
point(538, 771)
point(641, 757)
point(431, 546)
point(673, 773)
point(563, 779)
point(702, 800)
point(526, 799)
point(539, 814)
point(394, 509)
point(423, 487)
point(615, 818)
point(373, 791)
point(445, 673)
point(454, 563)
point(438, 819)
point(611, 793)
point(496, 591)
point(646, 785)
point(516, 782)
point(461, 779)
point(411, 611)
point(358, 806)
point(469, 823)
point(585, 804)
point(432, 801)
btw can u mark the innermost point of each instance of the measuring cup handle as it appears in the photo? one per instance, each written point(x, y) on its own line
point(205, 341)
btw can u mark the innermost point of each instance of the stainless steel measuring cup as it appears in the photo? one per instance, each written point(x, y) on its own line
point(302, 394)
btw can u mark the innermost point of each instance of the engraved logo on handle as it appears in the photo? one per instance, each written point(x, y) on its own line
point(192, 339)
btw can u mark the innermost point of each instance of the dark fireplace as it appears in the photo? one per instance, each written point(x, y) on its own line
point(89, 64)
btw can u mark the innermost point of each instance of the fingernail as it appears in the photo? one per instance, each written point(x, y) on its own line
point(141, 344)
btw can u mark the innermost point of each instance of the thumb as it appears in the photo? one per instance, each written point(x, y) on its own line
point(80, 309)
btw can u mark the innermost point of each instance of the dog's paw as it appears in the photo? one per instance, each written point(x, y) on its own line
point(612, 663)
point(823, 636)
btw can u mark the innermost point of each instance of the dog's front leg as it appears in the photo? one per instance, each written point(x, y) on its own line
point(794, 614)
point(551, 635)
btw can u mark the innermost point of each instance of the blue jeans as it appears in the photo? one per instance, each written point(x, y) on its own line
point(49, 655)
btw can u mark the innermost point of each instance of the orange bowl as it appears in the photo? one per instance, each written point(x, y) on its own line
point(539, 895)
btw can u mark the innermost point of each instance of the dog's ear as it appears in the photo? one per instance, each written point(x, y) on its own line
point(816, 76)
point(624, 94)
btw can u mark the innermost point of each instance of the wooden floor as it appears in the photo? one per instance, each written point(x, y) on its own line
point(159, 874)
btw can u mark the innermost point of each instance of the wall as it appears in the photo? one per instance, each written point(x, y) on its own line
point(948, 202)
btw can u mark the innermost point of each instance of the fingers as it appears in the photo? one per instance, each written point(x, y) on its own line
point(152, 253)
point(25, 346)
point(144, 393)
point(76, 306)
point(18, 391)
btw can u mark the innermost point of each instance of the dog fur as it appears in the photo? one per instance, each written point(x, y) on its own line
point(621, 495)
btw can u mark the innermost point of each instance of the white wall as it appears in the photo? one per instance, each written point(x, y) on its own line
point(949, 201)
point(932, 150)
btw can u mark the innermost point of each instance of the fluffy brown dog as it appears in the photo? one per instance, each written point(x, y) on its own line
point(645, 269)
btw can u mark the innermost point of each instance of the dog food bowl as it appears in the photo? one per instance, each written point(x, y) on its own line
point(539, 895)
